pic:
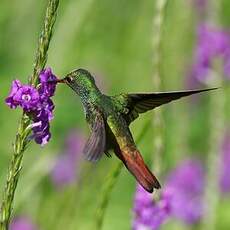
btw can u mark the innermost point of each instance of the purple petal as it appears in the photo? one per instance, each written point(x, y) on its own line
point(22, 223)
point(11, 103)
point(74, 144)
point(212, 43)
point(185, 187)
point(16, 85)
point(67, 164)
point(48, 83)
point(148, 213)
point(36, 103)
point(64, 171)
point(26, 96)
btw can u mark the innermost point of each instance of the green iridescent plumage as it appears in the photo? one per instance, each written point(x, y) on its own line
point(109, 118)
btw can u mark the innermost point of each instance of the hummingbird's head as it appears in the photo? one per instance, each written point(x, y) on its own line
point(81, 81)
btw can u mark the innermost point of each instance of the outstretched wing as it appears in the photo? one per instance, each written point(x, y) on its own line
point(142, 102)
point(95, 145)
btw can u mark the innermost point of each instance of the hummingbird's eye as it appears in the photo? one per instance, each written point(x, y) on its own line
point(69, 79)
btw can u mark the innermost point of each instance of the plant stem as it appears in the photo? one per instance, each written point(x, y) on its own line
point(217, 128)
point(13, 174)
point(212, 191)
point(158, 21)
point(21, 140)
point(109, 184)
point(44, 40)
point(157, 120)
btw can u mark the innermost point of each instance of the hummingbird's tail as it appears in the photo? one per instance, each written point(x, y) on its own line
point(136, 165)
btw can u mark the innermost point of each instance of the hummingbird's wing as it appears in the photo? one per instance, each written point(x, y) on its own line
point(142, 102)
point(95, 145)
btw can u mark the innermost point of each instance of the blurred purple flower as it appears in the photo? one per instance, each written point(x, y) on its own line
point(212, 43)
point(67, 165)
point(185, 187)
point(64, 171)
point(147, 212)
point(22, 223)
point(74, 144)
point(181, 198)
point(225, 165)
point(36, 103)
point(200, 5)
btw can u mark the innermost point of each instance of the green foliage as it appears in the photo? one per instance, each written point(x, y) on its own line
point(112, 39)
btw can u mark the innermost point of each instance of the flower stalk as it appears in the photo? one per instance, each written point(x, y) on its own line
point(217, 128)
point(212, 191)
point(21, 140)
point(157, 121)
point(44, 40)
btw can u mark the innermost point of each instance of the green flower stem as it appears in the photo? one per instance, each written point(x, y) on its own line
point(13, 173)
point(21, 140)
point(44, 40)
point(158, 20)
point(109, 184)
point(157, 121)
point(217, 130)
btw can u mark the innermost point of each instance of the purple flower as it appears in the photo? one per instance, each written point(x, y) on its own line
point(41, 133)
point(44, 113)
point(64, 171)
point(74, 144)
point(212, 43)
point(225, 165)
point(48, 84)
point(200, 5)
point(22, 95)
point(36, 103)
point(10, 101)
point(67, 164)
point(27, 97)
point(147, 212)
point(22, 223)
point(185, 187)
point(181, 198)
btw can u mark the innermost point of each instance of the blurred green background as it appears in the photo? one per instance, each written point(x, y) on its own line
point(113, 40)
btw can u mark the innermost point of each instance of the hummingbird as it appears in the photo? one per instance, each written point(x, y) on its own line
point(109, 118)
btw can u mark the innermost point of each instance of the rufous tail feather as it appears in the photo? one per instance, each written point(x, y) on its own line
point(136, 165)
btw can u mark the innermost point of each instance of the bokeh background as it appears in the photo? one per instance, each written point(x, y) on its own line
point(113, 40)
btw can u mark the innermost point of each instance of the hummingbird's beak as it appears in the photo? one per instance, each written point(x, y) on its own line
point(63, 80)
